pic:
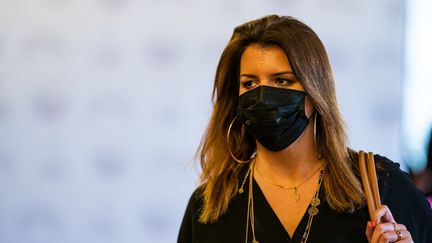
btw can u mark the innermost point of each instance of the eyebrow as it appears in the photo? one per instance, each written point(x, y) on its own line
point(273, 75)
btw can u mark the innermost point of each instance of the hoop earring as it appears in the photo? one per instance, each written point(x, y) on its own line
point(229, 147)
point(315, 137)
point(314, 130)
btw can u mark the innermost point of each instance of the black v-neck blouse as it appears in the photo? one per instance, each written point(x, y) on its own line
point(407, 204)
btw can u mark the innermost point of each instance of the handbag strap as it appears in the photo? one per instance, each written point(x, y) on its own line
point(369, 181)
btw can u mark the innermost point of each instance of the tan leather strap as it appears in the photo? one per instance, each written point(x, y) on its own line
point(369, 181)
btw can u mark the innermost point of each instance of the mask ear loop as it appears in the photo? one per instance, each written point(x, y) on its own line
point(229, 147)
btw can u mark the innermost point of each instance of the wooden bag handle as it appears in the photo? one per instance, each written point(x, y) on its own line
point(369, 181)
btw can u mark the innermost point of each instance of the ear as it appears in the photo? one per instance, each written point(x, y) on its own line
point(309, 106)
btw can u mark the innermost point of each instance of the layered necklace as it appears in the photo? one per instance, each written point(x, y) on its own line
point(250, 217)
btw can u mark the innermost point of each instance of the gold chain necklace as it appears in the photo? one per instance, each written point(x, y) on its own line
point(296, 193)
point(250, 217)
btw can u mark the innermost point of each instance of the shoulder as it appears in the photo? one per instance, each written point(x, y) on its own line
point(390, 177)
point(225, 229)
point(195, 204)
point(394, 182)
point(196, 201)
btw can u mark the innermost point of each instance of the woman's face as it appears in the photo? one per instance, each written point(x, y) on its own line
point(266, 66)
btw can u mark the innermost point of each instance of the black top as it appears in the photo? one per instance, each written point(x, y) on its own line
point(406, 203)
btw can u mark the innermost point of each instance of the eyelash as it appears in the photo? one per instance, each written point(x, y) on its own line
point(278, 81)
point(246, 84)
point(285, 80)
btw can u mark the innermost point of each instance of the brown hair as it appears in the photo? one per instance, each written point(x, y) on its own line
point(311, 66)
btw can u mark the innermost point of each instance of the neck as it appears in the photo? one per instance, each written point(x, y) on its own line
point(291, 165)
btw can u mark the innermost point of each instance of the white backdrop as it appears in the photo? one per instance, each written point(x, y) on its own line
point(103, 103)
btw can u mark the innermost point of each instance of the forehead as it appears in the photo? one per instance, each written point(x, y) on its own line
point(257, 58)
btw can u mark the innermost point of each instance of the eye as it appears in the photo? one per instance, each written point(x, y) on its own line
point(283, 81)
point(248, 84)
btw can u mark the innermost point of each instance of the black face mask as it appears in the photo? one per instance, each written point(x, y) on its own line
point(273, 116)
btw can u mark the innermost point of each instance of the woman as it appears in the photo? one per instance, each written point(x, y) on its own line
point(275, 161)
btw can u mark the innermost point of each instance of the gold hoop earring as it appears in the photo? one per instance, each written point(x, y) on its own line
point(229, 147)
point(315, 137)
point(314, 130)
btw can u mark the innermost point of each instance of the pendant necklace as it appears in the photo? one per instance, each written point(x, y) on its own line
point(250, 215)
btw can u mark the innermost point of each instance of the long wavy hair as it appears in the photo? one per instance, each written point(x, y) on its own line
point(310, 64)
